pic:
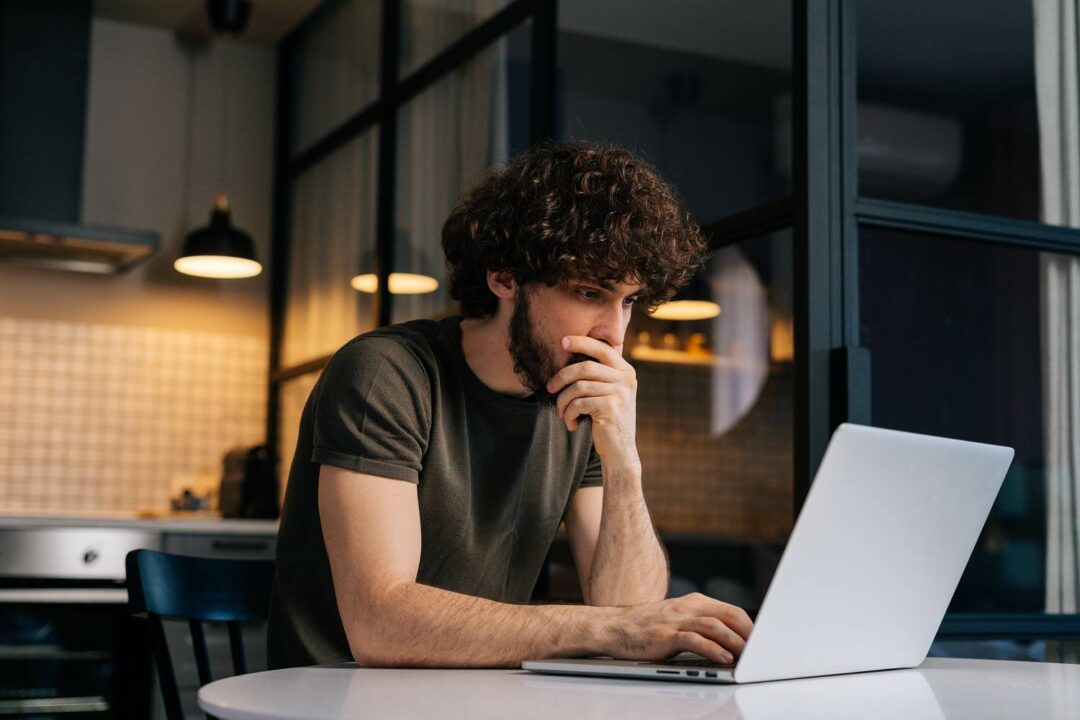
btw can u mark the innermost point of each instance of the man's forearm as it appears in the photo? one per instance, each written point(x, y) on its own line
point(630, 565)
point(418, 625)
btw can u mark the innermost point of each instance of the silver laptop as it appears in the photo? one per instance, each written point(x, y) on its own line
point(869, 569)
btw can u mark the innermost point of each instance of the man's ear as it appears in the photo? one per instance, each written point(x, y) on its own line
point(502, 284)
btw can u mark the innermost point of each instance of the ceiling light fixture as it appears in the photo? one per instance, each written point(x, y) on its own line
point(220, 250)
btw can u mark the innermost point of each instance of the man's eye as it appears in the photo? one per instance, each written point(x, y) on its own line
point(630, 300)
point(589, 294)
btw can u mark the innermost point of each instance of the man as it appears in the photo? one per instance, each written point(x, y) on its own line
point(436, 459)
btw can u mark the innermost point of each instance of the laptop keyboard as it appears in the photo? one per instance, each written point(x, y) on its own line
point(693, 662)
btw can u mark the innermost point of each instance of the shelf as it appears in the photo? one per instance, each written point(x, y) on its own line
point(645, 353)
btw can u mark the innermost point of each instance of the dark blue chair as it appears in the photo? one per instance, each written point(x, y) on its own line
point(199, 590)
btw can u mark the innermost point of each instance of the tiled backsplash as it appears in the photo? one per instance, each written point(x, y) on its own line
point(111, 419)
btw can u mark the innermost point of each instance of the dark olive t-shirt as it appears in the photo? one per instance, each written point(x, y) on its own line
point(494, 476)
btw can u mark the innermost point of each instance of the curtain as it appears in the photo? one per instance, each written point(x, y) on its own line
point(1057, 88)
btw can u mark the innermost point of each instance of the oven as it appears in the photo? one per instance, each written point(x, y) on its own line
point(68, 647)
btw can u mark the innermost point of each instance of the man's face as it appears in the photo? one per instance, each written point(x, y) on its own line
point(543, 316)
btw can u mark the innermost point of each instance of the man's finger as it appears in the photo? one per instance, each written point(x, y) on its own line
point(580, 406)
point(692, 642)
point(731, 615)
point(719, 633)
point(736, 619)
point(587, 370)
point(582, 388)
point(594, 348)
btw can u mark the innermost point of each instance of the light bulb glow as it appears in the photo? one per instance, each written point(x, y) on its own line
point(687, 310)
point(400, 283)
point(217, 266)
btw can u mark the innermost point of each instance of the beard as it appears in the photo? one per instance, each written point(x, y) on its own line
point(534, 362)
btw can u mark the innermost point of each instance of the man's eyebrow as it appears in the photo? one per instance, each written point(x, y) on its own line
point(610, 287)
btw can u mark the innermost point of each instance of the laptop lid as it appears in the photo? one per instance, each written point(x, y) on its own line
point(875, 555)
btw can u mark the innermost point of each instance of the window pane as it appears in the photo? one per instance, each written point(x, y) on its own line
point(484, 107)
point(335, 68)
point(430, 26)
point(947, 104)
point(715, 423)
point(954, 330)
point(701, 89)
point(332, 235)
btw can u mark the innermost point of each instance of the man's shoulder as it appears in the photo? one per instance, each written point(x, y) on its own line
point(416, 344)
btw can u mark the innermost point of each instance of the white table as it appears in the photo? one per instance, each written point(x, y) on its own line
point(940, 688)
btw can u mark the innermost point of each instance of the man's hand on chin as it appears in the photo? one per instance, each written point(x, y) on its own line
point(605, 390)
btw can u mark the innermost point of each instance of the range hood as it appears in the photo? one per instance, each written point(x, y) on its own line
point(44, 72)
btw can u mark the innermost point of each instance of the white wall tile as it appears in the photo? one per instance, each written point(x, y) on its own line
point(110, 418)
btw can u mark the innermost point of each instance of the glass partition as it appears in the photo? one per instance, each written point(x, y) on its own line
point(715, 420)
point(332, 230)
point(702, 90)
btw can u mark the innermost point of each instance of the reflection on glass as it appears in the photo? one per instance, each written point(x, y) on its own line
point(715, 409)
point(294, 394)
point(430, 26)
point(954, 330)
point(334, 70)
point(472, 106)
point(702, 90)
point(399, 283)
point(946, 105)
point(332, 226)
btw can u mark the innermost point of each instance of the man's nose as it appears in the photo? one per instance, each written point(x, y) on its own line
point(611, 328)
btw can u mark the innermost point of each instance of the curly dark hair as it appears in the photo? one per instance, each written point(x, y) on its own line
point(567, 211)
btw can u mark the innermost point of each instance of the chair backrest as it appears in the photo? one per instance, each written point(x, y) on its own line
point(198, 590)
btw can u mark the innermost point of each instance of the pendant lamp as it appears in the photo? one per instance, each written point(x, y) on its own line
point(401, 283)
point(220, 250)
point(692, 302)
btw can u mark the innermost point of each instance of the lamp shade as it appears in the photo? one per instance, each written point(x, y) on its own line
point(401, 283)
point(219, 250)
point(692, 302)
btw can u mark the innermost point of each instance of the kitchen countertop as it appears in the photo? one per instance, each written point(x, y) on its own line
point(200, 523)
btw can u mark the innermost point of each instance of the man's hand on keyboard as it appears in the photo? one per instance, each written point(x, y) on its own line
point(695, 623)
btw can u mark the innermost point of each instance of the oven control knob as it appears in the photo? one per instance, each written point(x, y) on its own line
point(89, 556)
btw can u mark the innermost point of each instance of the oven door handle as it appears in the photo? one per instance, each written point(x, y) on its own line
point(43, 596)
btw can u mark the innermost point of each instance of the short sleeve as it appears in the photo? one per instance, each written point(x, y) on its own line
point(594, 471)
point(372, 410)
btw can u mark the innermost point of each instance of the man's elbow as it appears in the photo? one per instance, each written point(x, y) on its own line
point(373, 631)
